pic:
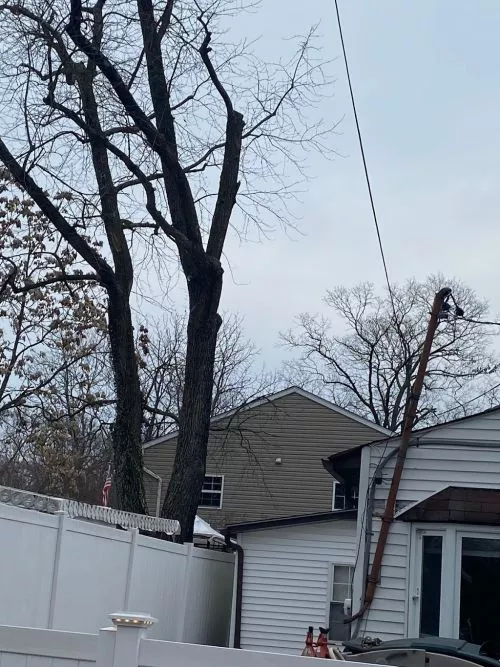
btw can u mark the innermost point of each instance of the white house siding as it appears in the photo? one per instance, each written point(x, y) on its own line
point(286, 581)
point(482, 428)
point(466, 453)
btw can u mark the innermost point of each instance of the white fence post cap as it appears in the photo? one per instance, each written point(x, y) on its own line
point(132, 619)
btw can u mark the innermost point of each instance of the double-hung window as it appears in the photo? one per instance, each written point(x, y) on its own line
point(211, 493)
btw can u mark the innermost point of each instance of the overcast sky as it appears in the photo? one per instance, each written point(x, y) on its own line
point(427, 81)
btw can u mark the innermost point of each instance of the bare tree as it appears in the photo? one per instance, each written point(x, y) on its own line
point(155, 127)
point(162, 352)
point(370, 366)
point(58, 441)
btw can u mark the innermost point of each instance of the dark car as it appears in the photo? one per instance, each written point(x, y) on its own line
point(423, 652)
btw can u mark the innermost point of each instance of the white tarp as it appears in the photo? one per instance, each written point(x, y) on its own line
point(204, 529)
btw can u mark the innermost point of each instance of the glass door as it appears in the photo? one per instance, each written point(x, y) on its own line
point(426, 583)
point(432, 581)
point(478, 584)
point(430, 586)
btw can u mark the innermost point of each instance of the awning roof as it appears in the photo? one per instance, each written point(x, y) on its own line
point(344, 465)
point(457, 504)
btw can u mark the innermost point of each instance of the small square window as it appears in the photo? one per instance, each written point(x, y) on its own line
point(339, 497)
point(211, 493)
point(342, 575)
point(345, 497)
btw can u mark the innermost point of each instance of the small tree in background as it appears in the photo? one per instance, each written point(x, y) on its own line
point(162, 352)
point(370, 364)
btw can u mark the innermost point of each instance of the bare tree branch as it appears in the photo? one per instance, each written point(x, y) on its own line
point(370, 367)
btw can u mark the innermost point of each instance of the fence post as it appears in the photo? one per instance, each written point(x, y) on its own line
point(119, 646)
point(134, 533)
point(106, 647)
point(61, 526)
point(185, 592)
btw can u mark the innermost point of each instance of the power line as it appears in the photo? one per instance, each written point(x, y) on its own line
point(363, 157)
point(460, 315)
point(471, 400)
point(374, 211)
point(472, 321)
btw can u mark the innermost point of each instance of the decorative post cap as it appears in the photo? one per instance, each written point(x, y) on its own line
point(132, 619)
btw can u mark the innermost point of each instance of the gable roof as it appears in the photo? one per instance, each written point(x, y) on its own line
point(429, 429)
point(262, 400)
point(334, 515)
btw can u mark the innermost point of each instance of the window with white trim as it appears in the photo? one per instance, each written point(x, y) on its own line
point(341, 590)
point(344, 497)
point(211, 493)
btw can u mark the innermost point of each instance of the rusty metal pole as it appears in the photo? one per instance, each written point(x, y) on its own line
point(409, 420)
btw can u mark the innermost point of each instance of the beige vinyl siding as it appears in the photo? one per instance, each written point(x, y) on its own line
point(244, 449)
point(430, 467)
point(151, 489)
point(286, 581)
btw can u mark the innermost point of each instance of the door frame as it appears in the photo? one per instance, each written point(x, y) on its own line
point(482, 532)
point(449, 618)
point(418, 532)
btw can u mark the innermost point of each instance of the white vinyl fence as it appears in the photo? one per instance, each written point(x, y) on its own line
point(65, 574)
point(125, 645)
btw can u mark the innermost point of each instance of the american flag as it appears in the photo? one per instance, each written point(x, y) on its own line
point(107, 487)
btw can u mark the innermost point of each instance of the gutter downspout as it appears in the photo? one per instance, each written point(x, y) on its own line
point(158, 491)
point(240, 559)
point(410, 415)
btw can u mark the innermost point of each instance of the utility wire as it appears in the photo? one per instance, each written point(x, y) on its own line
point(374, 211)
point(472, 321)
point(471, 400)
point(460, 315)
point(363, 157)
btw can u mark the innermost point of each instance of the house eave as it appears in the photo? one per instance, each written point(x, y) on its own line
point(303, 519)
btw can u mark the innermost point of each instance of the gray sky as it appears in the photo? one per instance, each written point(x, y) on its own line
point(427, 81)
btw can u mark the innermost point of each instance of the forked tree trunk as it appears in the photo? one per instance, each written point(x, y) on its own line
point(183, 493)
point(128, 484)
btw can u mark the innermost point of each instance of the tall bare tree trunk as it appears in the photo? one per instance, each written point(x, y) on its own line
point(128, 487)
point(143, 126)
point(183, 493)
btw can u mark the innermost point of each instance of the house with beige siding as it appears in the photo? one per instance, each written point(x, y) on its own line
point(264, 460)
point(440, 574)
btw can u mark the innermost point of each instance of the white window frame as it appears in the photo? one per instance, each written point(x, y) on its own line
point(335, 483)
point(481, 532)
point(355, 497)
point(419, 531)
point(331, 571)
point(213, 507)
point(450, 576)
